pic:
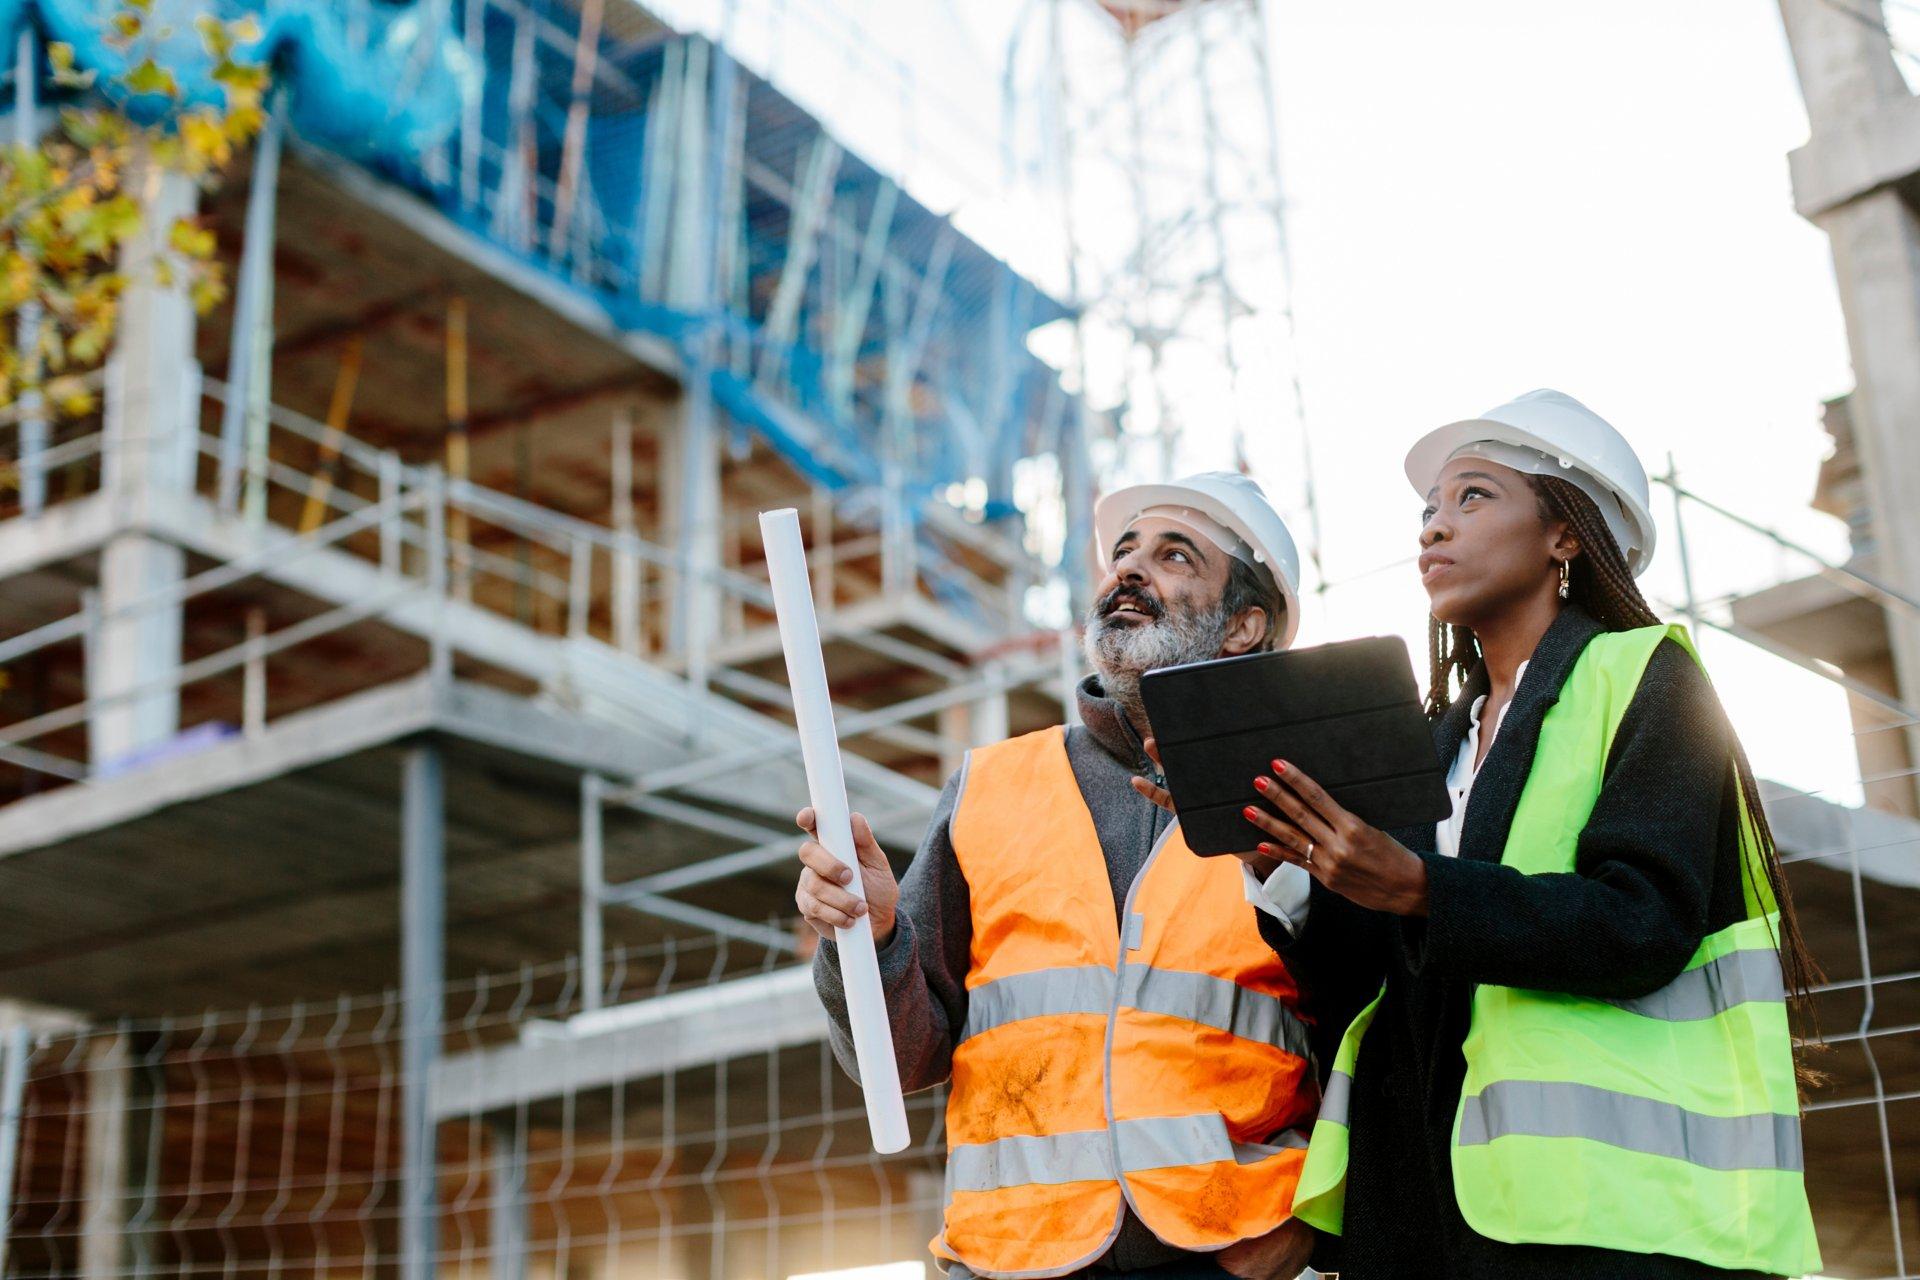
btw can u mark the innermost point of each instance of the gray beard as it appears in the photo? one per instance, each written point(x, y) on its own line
point(1122, 654)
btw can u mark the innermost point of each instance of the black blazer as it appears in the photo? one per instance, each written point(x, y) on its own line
point(1656, 870)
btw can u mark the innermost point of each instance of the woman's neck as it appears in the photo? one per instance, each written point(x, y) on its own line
point(1509, 640)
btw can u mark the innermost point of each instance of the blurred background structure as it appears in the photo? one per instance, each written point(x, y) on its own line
point(395, 774)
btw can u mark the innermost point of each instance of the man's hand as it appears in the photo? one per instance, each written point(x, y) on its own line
point(1359, 862)
point(823, 897)
point(1281, 1254)
point(1263, 865)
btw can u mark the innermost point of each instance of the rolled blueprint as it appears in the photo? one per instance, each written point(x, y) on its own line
point(833, 827)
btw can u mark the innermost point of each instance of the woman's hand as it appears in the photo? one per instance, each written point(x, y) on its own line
point(1360, 863)
point(1263, 864)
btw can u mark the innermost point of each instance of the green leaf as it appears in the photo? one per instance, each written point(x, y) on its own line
point(150, 77)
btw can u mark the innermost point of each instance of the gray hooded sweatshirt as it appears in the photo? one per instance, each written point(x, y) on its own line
point(923, 967)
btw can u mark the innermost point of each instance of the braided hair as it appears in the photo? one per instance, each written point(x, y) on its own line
point(1600, 582)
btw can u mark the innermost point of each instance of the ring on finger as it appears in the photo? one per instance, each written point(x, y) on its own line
point(1308, 859)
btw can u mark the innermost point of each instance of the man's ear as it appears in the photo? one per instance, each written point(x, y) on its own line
point(1244, 634)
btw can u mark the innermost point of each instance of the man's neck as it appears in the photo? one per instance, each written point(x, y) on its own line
point(1112, 723)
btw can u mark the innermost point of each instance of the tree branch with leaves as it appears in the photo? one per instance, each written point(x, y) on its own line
point(67, 208)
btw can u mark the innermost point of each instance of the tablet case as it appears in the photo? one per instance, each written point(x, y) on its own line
point(1347, 714)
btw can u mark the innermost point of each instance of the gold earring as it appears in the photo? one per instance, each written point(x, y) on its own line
point(1566, 578)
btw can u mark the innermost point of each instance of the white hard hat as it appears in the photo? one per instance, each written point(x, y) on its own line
point(1225, 497)
point(1550, 433)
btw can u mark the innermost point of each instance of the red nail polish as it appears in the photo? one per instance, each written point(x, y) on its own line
point(1279, 766)
point(1269, 850)
point(1261, 784)
point(1250, 813)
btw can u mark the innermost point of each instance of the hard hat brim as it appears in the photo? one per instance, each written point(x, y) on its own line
point(1430, 453)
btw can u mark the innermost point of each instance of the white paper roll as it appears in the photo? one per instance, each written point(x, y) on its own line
point(833, 827)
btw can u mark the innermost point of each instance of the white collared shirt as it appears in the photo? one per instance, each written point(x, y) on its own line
point(1284, 894)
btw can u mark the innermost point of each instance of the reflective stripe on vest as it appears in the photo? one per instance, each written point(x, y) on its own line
point(1542, 1109)
point(1196, 997)
point(1722, 983)
point(1157, 1142)
point(1166, 1070)
point(1666, 1123)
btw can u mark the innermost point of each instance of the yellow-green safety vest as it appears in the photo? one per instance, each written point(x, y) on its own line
point(1664, 1124)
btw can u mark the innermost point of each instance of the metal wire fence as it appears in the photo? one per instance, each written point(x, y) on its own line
point(266, 1143)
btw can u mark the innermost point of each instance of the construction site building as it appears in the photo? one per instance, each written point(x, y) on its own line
point(396, 770)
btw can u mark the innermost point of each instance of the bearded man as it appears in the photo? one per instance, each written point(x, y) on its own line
point(1130, 1079)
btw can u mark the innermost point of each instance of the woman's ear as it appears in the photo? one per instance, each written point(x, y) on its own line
point(1566, 545)
point(1248, 629)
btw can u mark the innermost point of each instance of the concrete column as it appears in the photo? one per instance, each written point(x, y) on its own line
point(689, 519)
point(692, 509)
point(1876, 259)
point(423, 880)
point(976, 723)
point(1852, 89)
point(1843, 56)
point(151, 417)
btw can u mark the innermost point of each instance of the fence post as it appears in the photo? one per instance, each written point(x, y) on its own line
point(13, 1091)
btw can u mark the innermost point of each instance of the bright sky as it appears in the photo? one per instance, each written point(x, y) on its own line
point(1485, 197)
point(1497, 195)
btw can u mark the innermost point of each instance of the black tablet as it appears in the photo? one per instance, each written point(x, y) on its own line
point(1348, 714)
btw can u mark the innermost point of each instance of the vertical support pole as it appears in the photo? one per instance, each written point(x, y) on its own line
point(1076, 482)
point(151, 420)
point(586, 50)
point(1290, 334)
point(103, 1211)
point(1069, 676)
point(1680, 544)
point(253, 694)
point(473, 37)
point(391, 516)
point(579, 586)
point(423, 949)
point(734, 612)
point(252, 308)
point(517, 204)
point(626, 565)
point(457, 442)
point(707, 105)
point(17, 1048)
point(441, 661)
point(1217, 233)
point(824, 560)
point(508, 1218)
point(33, 421)
point(313, 513)
point(593, 883)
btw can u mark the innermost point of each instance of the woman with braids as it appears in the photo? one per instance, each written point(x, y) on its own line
point(1570, 1056)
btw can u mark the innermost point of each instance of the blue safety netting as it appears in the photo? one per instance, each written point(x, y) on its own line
point(468, 109)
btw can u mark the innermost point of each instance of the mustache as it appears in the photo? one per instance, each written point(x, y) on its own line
point(1142, 600)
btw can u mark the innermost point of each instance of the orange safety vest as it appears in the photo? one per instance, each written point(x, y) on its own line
point(1172, 1075)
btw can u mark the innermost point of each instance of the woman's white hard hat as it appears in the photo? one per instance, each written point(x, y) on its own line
point(1225, 497)
point(1550, 433)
